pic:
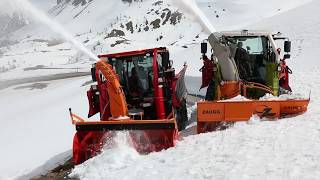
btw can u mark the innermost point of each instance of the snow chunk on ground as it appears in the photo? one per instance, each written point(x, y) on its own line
point(293, 96)
point(191, 109)
point(237, 98)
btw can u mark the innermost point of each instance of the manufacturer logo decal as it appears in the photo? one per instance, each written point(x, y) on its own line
point(264, 111)
point(211, 111)
point(293, 108)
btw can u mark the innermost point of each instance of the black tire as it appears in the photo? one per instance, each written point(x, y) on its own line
point(182, 115)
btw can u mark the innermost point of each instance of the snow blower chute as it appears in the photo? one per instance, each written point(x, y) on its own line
point(138, 92)
point(245, 66)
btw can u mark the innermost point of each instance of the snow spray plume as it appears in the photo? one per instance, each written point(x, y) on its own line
point(26, 6)
point(190, 7)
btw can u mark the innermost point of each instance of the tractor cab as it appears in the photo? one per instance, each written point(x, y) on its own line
point(148, 82)
point(257, 58)
point(255, 53)
point(136, 75)
point(251, 57)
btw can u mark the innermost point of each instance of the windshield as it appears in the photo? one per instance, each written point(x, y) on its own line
point(135, 73)
point(251, 57)
point(253, 45)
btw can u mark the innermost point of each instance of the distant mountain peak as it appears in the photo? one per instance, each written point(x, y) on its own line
point(11, 23)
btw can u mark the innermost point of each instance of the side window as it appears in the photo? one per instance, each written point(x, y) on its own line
point(143, 66)
point(120, 70)
point(253, 45)
point(159, 60)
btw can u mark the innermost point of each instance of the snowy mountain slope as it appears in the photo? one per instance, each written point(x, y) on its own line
point(11, 18)
point(135, 25)
point(230, 15)
point(11, 23)
point(301, 26)
point(37, 45)
point(36, 39)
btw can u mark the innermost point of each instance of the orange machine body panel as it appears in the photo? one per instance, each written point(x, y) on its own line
point(233, 111)
point(230, 89)
point(117, 98)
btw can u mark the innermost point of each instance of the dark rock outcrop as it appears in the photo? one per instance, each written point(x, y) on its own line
point(115, 33)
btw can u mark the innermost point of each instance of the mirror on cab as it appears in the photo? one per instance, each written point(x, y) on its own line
point(93, 72)
point(203, 48)
point(165, 59)
point(287, 46)
point(286, 56)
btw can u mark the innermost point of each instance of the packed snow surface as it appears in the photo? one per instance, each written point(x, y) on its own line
point(243, 152)
point(283, 149)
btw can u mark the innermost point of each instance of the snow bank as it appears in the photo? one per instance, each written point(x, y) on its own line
point(258, 149)
point(237, 98)
point(286, 149)
point(291, 96)
point(118, 157)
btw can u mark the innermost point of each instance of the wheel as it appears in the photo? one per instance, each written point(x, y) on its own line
point(182, 115)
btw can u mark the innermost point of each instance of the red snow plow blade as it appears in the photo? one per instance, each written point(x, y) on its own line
point(212, 113)
point(145, 135)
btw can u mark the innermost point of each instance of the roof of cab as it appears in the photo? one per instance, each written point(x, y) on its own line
point(246, 33)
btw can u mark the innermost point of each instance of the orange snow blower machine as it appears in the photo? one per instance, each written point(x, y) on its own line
point(245, 66)
point(136, 91)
